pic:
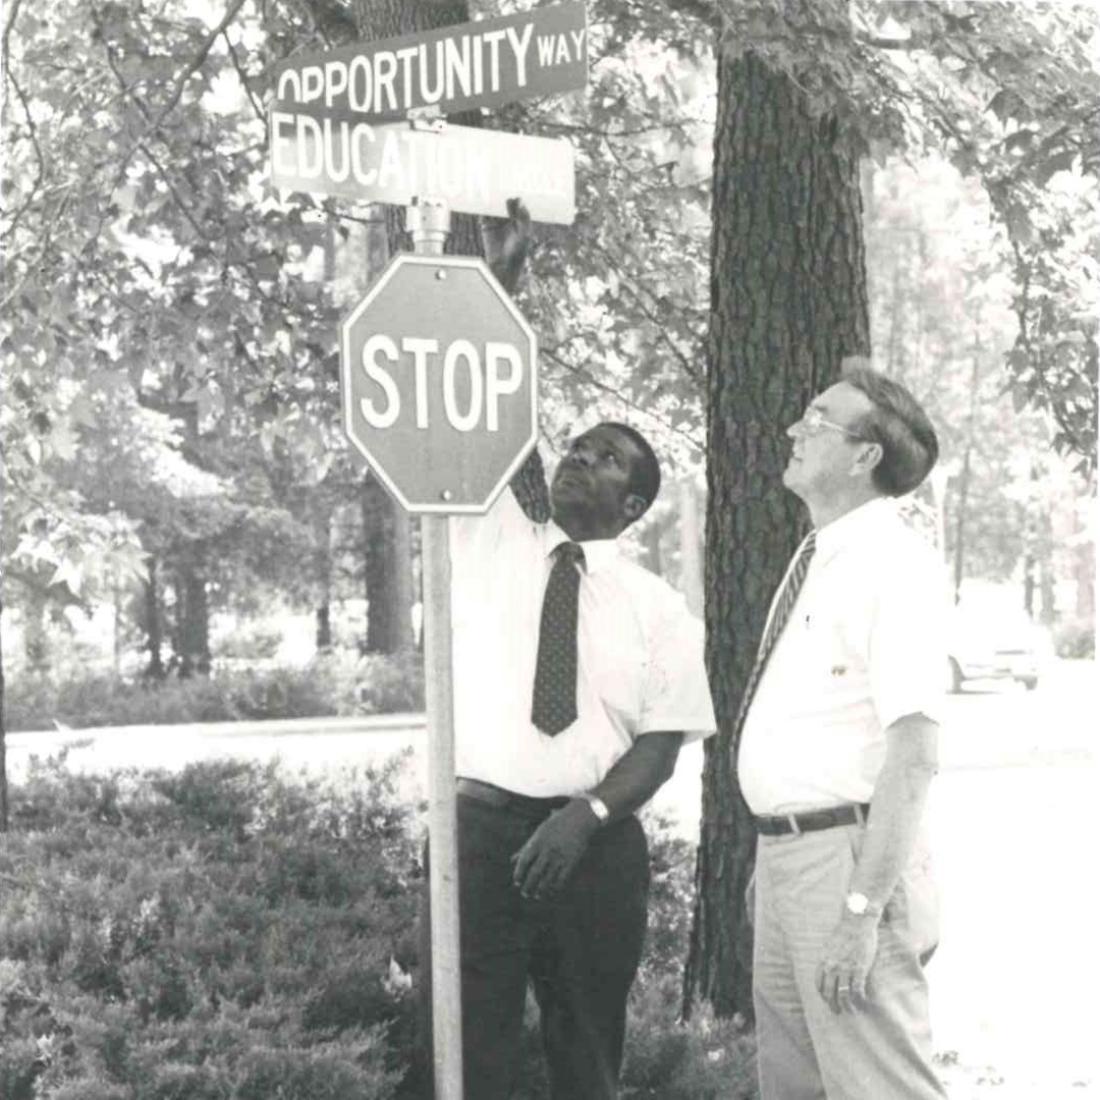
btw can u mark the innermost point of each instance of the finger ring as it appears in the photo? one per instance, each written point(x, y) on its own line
point(843, 988)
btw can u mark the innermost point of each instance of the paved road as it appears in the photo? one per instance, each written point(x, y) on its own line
point(1013, 835)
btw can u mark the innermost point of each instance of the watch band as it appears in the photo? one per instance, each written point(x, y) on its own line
point(598, 806)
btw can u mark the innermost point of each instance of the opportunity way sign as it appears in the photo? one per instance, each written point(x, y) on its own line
point(479, 64)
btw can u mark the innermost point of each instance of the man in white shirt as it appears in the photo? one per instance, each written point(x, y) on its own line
point(553, 865)
point(835, 758)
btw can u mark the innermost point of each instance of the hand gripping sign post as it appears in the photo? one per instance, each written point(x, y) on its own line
point(438, 367)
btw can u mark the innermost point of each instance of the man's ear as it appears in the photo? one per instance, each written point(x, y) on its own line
point(633, 506)
point(868, 458)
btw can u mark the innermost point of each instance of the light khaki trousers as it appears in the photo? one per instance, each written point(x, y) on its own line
point(805, 1051)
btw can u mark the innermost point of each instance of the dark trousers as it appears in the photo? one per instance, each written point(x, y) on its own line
point(580, 952)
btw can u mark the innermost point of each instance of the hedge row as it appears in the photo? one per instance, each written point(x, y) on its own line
point(232, 933)
point(337, 685)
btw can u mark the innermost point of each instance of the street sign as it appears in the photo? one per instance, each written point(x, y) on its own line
point(457, 68)
point(475, 171)
point(438, 381)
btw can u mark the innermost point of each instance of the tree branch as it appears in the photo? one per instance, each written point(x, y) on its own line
point(704, 11)
point(589, 378)
point(9, 23)
point(154, 123)
point(256, 106)
point(196, 63)
point(32, 132)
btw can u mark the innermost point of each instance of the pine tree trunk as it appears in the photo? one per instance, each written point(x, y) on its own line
point(36, 639)
point(322, 559)
point(154, 631)
point(387, 573)
point(4, 811)
point(788, 304)
point(193, 615)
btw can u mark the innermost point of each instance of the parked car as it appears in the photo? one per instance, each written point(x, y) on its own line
point(989, 646)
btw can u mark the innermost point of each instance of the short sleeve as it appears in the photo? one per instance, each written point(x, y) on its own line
point(907, 655)
point(676, 694)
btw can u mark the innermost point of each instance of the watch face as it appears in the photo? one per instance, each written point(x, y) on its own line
point(857, 904)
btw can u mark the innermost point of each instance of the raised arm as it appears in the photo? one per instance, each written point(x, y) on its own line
point(507, 242)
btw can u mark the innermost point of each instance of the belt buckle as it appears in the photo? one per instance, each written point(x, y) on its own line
point(793, 821)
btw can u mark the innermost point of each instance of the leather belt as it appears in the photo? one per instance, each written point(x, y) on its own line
point(854, 813)
point(509, 800)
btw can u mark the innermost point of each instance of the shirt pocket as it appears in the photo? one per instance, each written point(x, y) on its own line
point(618, 669)
point(829, 659)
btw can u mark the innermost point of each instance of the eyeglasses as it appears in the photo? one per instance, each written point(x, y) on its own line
point(813, 420)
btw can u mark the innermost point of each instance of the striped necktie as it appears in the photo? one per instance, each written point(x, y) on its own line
point(781, 612)
point(554, 702)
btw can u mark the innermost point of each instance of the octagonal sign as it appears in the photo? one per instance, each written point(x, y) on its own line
point(438, 383)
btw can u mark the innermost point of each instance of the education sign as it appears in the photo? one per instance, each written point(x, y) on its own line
point(438, 382)
point(479, 64)
point(475, 171)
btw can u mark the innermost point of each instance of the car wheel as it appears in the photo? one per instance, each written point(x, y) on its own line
point(955, 676)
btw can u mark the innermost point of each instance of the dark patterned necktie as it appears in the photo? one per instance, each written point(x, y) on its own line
point(554, 703)
point(784, 604)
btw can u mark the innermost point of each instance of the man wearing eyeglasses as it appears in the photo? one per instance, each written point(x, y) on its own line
point(836, 752)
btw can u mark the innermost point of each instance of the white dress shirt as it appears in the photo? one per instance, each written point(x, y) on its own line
point(639, 657)
point(864, 646)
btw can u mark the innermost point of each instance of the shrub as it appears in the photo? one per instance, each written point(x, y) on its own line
point(224, 933)
point(230, 933)
point(250, 641)
point(1075, 639)
point(331, 685)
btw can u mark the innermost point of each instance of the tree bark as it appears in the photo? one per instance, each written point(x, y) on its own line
point(5, 814)
point(788, 304)
point(36, 639)
point(386, 551)
point(387, 571)
point(322, 563)
point(192, 615)
point(154, 631)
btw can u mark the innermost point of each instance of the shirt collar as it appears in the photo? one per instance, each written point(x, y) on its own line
point(598, 553)
point(854, 526)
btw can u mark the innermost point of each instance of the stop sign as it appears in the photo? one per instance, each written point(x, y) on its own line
point(438, 381)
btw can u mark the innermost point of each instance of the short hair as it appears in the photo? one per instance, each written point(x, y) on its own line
point(899, 425)
point(645, 470)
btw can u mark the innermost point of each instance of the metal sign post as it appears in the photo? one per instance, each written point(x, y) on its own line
point(429, 223)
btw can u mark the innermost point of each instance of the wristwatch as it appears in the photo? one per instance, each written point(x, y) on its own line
point(860, 905)
point(599, 807)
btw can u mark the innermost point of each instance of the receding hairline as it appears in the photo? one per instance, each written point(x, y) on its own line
point(820, 401)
